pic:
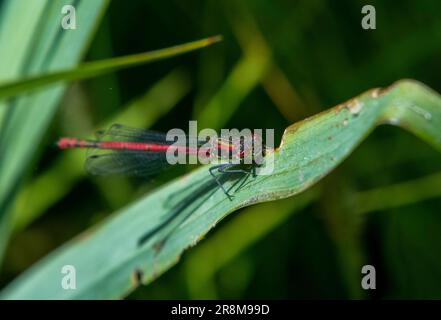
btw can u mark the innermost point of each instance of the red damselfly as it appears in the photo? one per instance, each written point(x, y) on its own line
point(138, 152)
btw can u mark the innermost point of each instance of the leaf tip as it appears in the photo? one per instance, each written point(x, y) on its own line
point(214, 39)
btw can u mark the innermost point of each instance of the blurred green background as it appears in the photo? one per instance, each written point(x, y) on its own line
point(279, 62)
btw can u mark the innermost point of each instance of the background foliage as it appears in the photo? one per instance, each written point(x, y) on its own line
point(279, 62)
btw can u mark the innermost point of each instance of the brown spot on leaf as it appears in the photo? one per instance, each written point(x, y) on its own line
point(354, 106)
point(137, 276)
point(158, 246)
point(375, 93)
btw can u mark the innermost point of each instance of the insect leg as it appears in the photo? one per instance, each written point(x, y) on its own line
point(220, 168)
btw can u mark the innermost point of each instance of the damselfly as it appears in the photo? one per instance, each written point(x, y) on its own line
point(137, 152)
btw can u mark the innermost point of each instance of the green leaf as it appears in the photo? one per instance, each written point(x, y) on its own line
point(32, 42)
point(97, 68)
point(108, 260)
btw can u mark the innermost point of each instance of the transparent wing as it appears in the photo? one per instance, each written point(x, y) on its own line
point(119, 132)
point(127, 162)
point(130, 162)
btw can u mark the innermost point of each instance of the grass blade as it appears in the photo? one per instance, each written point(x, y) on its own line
point(97, 68)
point(42, 46)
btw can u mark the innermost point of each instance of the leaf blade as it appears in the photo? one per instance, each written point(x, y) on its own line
point(97, 68)
point(108, 257)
